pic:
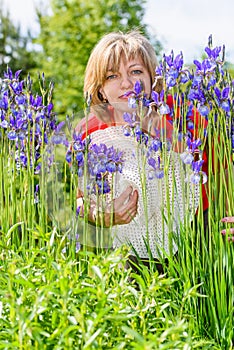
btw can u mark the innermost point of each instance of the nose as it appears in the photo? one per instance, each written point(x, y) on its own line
point(126, 82)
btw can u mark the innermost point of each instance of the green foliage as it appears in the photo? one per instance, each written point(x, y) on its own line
point(49, 303)
point(15, 49)
point(68, 36)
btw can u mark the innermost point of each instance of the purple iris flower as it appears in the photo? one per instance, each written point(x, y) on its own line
point(79, 157)
point(203, 109)
point(138, 88)
point(132, 102)
point(158, 100)
point(20, 99)
point(4, 124)
point(12, 135)
point(23, 159)
point(159, 173)
point(24, 118)
point(127, 130)
point(99, 159)
point(155, 145)
point(172, 69)
point(198, 174)
point(17, 86)
point(187, 158)
point(137, 95)
point(196, 94)
point(69, 156)
point(213, 53)
point(226, 106)
point(204, 67)
point(184, 77)
point(212, 81)
point(197, 166)
point(193, 145)
point(196, 81)
point(170, 81)
point(190, 125)
point(9, 74)
point(222, 98)
point(4, 101)
point(129, 118)
point(111, 167)
point(156, 168)
point(195, 178)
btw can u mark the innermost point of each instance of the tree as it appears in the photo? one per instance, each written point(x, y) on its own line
point(15, 50)
point(68, 36)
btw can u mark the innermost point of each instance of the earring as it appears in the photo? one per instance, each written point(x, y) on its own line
point(101, 98)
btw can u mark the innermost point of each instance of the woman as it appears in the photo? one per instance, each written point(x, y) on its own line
point(145, 214)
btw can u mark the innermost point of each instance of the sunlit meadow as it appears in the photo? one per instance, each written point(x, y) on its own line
point(60, 289)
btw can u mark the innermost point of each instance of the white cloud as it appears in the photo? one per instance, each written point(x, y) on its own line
point(23, 12)
point(181, 25)
point(185, 25)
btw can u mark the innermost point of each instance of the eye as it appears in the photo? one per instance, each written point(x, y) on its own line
point(137, 72)
point(111, 76)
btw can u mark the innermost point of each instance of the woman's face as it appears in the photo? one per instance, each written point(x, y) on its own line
point(118, 83)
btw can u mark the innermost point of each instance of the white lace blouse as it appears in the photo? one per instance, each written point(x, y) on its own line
point(163, 204)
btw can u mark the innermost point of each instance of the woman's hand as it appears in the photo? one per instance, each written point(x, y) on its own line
point(121, 211)
point(230, 231)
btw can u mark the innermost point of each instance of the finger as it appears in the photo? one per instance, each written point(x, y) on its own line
point(126, 193)
point(134, 195)
point(133, 200)
point(228, 231)
point(124, 197)
point(132, 212)
point(125, 216)
point(228, 219)
point(127, 202)
point(132, 215)
point(129, 217)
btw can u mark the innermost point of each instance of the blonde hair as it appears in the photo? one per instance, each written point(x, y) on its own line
point(108, 51)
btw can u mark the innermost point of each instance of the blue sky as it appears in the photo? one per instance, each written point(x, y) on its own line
point(181, 25)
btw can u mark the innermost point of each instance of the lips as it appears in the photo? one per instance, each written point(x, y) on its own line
point(123, 97)
point(126, 95)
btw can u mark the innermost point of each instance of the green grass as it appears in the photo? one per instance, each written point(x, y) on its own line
point(90, 303)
